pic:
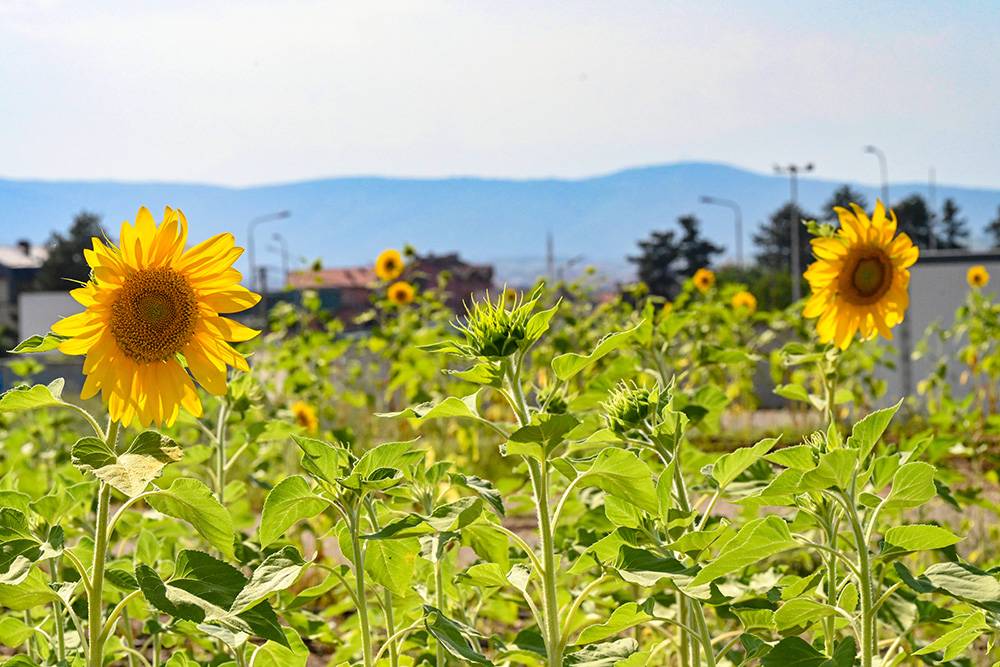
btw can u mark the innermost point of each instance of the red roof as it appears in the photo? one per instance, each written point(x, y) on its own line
point(356, 276)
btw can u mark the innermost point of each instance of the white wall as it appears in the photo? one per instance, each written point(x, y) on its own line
point(39, 310)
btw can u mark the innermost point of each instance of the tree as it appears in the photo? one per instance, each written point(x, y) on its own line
point(843, 197)
point(993, 229)
point(916, 220)
point(66, 266)
point(774, 239)
point(954, 230)
point(664, 260)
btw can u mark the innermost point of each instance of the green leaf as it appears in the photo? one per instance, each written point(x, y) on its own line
point(730, 466)
point(290, 501)
point(273, 654)
point(757, 540)
point(454, 638)
point(796, 457)
point(33, 591)
point(867, 432)
point(959, 580)
point(538, 324)
point(276, 573)
point(645, 568)
point(190, 500)
point(23, 397)
point(793, 392)
point(39, 343)
point(912, 486)
point(800, 612)
point(567, 365)
point(607, 654)
point(391, 563)
point(622, 618)
point(483, 488)
point(835, 470)
point(919, 537)
point(129, 472)
point(14, 631)
point(451, 406)
point(622, 474)
point(956, 642)
point(323, 460)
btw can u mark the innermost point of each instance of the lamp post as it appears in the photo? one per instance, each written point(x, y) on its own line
point(251, 228)
point(796, 225)
point(883, 170)
point(737, 221)
point(283, 250)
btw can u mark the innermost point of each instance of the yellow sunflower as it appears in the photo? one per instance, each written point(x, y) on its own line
point(305, 416)
point(861, 276)
point(150, 308)
point(744, 301)
point(401, 293)
point(704, 279)
point(978, 276)
point(389, 265)
point(666, 309)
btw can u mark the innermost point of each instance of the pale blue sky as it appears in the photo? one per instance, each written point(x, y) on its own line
point(254, 92)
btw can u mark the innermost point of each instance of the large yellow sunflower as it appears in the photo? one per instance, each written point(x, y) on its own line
point(861, 276)
point(151, 308)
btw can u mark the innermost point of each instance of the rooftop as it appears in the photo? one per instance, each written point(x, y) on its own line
point(22, 256)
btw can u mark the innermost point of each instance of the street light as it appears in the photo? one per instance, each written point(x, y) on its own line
point(283, 249)
point(251, 227)
point(883, 169)
point(737, 220)
point(793, 179)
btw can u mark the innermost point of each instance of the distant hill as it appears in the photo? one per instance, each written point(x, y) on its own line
point(348, 220)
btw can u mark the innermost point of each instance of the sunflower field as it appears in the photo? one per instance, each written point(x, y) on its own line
point(543, 479)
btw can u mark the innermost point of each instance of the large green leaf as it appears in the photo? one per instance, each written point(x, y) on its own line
point(276, 573)
point(449, 407)
point(730, 466)
point(757, 540)
point(867, 432)
point(192, 501)
point(959, 580)
point(391, 563)
point(622, 618)
point(607, 654)
point(290, 501)
point(645, 568)
point(273, 654)
point(133, 470)
point(29, 398)
point(917, 537)
point(624, 475)
point(800, 612)
point(39, 343)
point(567, 365)
point(321, 459)
point(456, 639)
point(912, 486)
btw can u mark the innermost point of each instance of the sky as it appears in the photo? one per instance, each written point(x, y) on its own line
point(249, 92)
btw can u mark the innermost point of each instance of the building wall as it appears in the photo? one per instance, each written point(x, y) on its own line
point(38, 310)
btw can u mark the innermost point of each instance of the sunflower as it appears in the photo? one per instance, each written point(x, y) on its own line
point(704, 279)
point(745, 302)
point(305, 416)
point(978, 276)
point(150, 308)
point(389, 265)
point(401, 293)
point(666, 309)
point(861, 276)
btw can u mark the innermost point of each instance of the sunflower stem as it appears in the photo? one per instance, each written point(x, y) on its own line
point(95, 605)
point(220, 454)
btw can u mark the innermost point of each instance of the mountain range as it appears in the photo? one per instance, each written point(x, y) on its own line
point(348, 220)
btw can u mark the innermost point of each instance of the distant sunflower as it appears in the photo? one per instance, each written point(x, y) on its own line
point(401, 293)
point(305, 416)
point(667, 308)
point(389, 265)
point(704, 279)
point(861, 276)
point(148, 304)
point(978, 276)
point(744, 301)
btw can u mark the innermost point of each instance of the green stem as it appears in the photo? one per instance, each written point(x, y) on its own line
point(95, 601)
point(156, 649)
point(831, 587)
point(359, 577)
point(440, 601)
point(540, 479)
point(869, 638)
point(220, 454)
point(682, 614)
point(57, 611)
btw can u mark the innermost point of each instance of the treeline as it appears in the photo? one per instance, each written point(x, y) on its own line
point(667, 258)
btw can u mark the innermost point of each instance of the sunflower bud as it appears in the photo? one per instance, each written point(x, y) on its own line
point(554, 399)
point(496, 329)
point(630, 406)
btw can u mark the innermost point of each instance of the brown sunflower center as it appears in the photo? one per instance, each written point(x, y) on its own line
point(868, 276)
point(155, 315)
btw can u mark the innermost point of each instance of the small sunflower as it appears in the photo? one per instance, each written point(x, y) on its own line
point(704, 279)
point(744, 301)
point(401, 293)
point(978, 276)
point(389, 265)
point(667, 308)
point(861, 276)
point(150, 304)
point(305, 416)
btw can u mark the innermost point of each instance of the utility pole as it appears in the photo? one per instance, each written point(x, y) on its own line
point(550, 256)
point(283, 248)
point(796, 225)
point(932, 198)
point(737, 221)
point(251, 255)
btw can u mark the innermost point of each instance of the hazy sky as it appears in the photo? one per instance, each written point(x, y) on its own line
point(253, 92)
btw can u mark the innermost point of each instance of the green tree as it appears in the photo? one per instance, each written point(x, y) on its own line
point(65, 267)
point(774, 239)
point(843, 197)
point(993, 230)
point(916, 219)
point(665, 260)
point(954, 230)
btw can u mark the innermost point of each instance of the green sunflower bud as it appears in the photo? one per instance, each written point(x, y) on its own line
point(496, 329)
point(630, 406)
